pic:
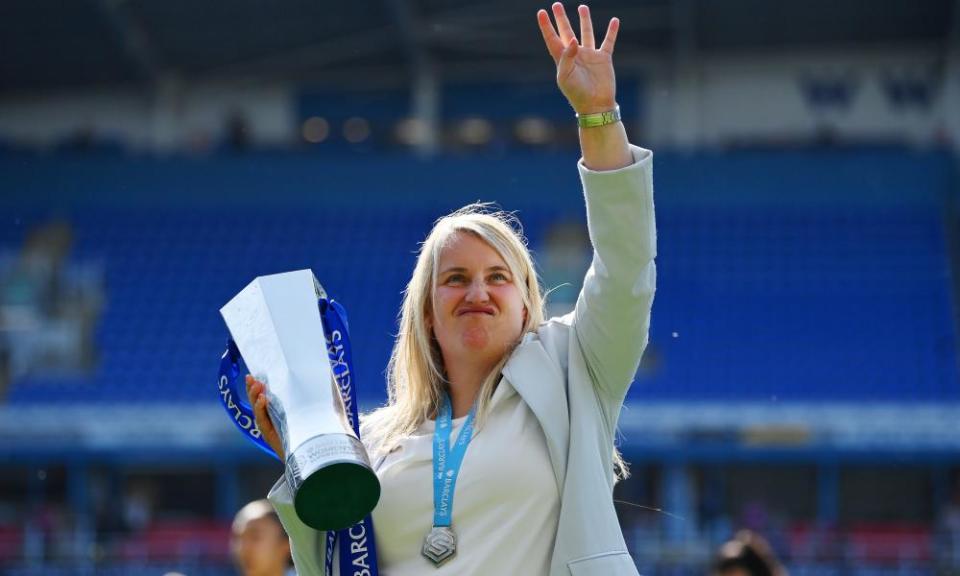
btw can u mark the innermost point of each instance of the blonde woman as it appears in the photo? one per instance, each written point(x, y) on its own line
point(537, 401)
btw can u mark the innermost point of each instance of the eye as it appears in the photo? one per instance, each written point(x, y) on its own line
point(455, 279)
point(499, 277)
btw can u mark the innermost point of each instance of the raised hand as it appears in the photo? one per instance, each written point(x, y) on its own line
point(584, 72)
point(257, 395)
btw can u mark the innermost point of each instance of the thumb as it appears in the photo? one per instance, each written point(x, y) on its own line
point(566, 58)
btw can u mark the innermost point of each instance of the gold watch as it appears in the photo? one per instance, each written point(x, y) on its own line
point(599, 119)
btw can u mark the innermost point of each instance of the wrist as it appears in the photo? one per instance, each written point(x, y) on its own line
point(595, 108)
point(605, 147)
point(603, 104)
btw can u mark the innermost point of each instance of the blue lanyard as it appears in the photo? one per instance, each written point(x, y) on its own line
point(447, 461)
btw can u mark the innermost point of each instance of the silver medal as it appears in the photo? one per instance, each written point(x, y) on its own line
point(440, 544)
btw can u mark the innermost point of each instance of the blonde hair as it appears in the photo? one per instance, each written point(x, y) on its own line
point(416, 378)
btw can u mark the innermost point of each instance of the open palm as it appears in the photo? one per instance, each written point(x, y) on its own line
point(584, 72)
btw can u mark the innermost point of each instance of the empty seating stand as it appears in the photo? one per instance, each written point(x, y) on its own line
point(786, 276)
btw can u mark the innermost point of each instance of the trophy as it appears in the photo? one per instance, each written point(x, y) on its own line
point(277, 326)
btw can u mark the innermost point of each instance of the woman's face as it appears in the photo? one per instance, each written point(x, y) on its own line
point(479, 311)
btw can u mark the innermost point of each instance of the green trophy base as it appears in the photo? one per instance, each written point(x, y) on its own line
point(333, 484)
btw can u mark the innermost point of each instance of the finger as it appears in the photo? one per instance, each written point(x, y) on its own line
point(563, 24)
point(260, 412)
point(254, 390)
point(251, 389)
point(550, 38)
point(586, 27)
point(611, 38)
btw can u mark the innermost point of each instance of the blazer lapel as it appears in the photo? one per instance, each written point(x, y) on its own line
point(538, 380)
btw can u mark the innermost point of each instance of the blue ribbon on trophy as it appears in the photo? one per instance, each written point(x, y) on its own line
point(358, 548)
point(334, 475)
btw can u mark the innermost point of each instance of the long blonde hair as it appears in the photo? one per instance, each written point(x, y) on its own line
point(416, 378)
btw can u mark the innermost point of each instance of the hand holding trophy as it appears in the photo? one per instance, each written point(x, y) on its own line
point(258, 398)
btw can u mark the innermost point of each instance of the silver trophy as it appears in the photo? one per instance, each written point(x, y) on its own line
point(275, 322)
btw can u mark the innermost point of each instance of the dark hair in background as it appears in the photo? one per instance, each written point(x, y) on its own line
point(749, 552)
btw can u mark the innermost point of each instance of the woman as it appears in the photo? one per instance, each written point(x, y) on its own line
point(538, 402)
point(257, 541)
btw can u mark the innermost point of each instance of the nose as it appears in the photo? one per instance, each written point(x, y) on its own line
point(477, 292)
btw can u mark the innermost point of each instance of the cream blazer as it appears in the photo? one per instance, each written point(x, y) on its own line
point(573, 373)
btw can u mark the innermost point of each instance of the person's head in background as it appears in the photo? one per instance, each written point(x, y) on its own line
point(259, 544)
point(747, 554)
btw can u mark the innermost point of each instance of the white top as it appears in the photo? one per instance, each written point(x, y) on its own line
point(506, 505)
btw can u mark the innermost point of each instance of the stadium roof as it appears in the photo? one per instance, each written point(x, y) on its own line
point(56, 44)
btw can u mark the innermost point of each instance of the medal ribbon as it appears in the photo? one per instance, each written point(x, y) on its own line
point(447, 461)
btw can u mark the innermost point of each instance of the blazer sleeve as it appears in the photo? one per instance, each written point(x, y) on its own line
point(306, 544)
point(611, 319)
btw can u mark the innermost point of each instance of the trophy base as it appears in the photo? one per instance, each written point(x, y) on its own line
point(333, 484)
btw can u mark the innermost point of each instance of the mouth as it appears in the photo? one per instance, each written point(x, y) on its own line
point(477, 311)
